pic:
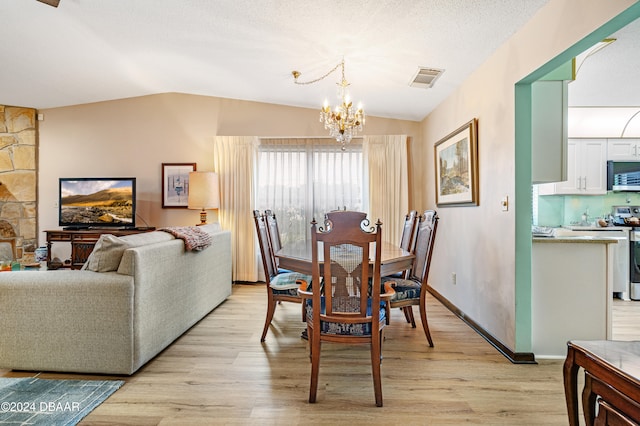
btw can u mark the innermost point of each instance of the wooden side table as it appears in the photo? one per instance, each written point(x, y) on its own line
point(612, 381)
point(82, 241)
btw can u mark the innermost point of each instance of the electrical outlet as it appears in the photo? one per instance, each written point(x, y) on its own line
point(453, 278)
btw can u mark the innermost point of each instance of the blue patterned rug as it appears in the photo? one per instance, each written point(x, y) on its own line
point(31, 401)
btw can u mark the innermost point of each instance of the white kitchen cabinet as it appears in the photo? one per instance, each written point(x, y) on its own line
point(626, 149)
point(586, 169)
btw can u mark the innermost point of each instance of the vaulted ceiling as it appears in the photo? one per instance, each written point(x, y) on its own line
point(94, 50)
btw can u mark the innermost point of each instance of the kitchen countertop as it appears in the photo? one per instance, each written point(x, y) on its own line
point(588, 239)
point(585, 234)
point(595, 228)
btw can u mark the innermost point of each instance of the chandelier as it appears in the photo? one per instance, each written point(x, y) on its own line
point(344, 121)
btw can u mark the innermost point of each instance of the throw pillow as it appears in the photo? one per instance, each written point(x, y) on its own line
point(107, 253)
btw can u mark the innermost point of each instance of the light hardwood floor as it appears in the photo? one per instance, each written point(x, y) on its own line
point(626, 320)
point(220, 373)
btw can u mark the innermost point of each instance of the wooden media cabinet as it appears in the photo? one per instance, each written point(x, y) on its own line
point(83, 240)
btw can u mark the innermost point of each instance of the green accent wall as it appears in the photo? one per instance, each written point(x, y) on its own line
point(523, 217)
point(565, 71)
point(523, 181)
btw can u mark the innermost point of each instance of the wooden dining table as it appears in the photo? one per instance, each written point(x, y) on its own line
point(297, 257)
point(612, 381)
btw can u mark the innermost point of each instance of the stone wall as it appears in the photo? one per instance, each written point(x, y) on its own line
point(18, 179)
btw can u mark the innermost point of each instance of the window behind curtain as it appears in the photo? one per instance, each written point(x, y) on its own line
point(302, 179)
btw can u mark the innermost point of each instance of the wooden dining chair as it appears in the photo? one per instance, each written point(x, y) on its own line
point(408, 237)
point(281, 287)
point(412, 290)
point(407, 242)
point(343, 309)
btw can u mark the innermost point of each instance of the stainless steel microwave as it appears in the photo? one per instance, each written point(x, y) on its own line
point(623, 176)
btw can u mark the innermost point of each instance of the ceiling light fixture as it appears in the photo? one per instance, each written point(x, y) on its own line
point(344, 121)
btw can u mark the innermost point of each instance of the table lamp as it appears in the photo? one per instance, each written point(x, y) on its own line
point(204, 193)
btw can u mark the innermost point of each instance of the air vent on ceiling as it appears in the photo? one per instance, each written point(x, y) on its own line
point(425, 77)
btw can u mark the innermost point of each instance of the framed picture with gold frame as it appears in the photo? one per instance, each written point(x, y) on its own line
point(175, 184)
point(456, 167)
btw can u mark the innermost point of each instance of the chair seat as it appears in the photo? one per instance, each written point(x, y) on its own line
point(344, 329)
point(404, 289)
point(288, 281)
point(286, 292)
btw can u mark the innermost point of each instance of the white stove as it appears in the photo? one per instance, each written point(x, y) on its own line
point(620, 216)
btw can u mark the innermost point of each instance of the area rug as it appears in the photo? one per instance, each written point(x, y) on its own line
point(32, 401)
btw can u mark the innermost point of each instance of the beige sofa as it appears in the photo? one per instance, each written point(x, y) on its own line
point(112, 322)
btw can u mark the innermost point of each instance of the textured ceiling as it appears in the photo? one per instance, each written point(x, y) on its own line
point(611, 76)
point(94, 50)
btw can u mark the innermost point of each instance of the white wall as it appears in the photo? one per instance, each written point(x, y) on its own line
point(134, 136)
point(479, 243)
point(604, 122)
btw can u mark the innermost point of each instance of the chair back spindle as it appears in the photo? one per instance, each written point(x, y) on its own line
point(425, 238)
point(274, 234)
point(265, 246)
point(409, 230)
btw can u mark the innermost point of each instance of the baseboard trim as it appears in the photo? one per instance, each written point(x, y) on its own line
point(514, 357)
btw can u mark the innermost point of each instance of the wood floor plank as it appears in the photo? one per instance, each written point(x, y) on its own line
point(626, 319)
point(220, 373)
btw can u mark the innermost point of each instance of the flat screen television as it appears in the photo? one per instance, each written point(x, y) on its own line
point(97, 203)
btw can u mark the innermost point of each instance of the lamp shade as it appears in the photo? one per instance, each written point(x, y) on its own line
point(204, 192)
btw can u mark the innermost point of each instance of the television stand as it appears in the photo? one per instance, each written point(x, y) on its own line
point(83, 240)
point(108, 229)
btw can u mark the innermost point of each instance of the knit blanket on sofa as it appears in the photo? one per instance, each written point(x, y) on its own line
point(195, 239)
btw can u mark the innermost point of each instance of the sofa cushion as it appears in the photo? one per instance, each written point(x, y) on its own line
point(211, 228)
point(144, 238)
point(107, 253)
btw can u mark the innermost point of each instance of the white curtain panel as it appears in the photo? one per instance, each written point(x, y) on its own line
point(386, 158)
point(234, 161)
point(300, 179)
